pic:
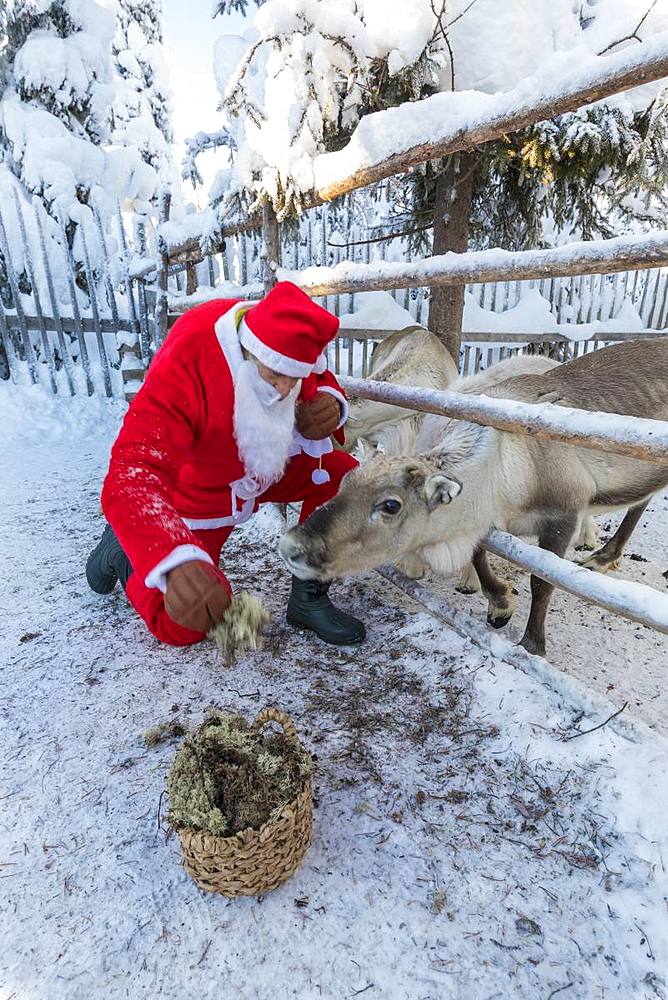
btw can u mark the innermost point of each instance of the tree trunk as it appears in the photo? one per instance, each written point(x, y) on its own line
point(452, 217)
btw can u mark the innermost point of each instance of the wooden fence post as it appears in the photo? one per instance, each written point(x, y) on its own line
point(271, 250)
point(16, 299)
point(161, 304)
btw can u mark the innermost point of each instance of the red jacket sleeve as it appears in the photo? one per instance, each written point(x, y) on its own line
point(158, 431)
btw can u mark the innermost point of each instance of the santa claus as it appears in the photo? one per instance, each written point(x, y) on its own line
point(237, 409)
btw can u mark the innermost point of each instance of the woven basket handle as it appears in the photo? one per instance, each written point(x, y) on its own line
point(275, 715)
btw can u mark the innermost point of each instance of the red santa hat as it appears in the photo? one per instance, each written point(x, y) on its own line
point(288, 332)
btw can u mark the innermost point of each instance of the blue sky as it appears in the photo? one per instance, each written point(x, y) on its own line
point(190, 33)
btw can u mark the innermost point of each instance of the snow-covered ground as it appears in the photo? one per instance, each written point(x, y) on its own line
point(464, 845)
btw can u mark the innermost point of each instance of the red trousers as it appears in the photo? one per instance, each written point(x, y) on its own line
point(296, 485)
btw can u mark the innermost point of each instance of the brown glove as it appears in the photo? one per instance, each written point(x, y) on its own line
point(319, 417)
point(196, 595)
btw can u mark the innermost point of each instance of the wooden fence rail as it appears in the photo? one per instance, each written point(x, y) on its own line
point(623, 435)
point(596, 257)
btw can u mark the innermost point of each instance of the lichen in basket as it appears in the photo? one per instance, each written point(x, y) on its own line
point(241, 627)
point(226, 777)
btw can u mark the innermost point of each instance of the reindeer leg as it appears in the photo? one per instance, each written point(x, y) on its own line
point(588, 538)
point(469, 581)
point(555, 536)
point(609, 557)
point(500, 597)
point(413, 566)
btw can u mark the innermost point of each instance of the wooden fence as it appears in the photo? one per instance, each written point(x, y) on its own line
point(334, 176)
point(92, 323)
point(73, 323)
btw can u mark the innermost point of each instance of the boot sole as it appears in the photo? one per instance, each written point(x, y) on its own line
point(94, 579)
point(297, 623)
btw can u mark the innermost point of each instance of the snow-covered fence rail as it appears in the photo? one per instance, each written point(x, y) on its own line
point(352, 350)
point(634, 436)
point(593, 257)
point(624, 597)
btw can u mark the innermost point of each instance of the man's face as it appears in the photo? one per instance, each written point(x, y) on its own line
point(283, 384)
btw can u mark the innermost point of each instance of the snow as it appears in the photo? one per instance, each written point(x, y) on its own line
point(376, 311)
point(462, 846)
point(65, 67)
point(444, 118)
point(532, 314)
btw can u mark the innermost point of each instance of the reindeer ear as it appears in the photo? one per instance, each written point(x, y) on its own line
point(440, 489)
point(363, 450)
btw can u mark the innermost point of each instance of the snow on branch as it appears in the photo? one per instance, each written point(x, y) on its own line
point(199, 143)
point(396, 140)
point(623, 435)
point(588, 257)
point(399, 139)
point(624, 597)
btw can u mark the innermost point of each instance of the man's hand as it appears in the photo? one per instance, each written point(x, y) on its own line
point(319, 417)
point(196, 597)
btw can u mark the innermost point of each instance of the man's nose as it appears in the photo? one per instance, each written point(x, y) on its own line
point(283, 386)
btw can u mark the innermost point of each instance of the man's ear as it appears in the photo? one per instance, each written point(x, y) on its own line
point(440, 489)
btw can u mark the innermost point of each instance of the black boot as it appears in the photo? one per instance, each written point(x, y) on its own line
point(310, 607)
point(107, 564)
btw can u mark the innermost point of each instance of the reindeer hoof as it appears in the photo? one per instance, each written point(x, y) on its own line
point(469, 581)
point(499, 620)
point(413, 566)
point(533, 645)
point(501, 609)
point(599, 564)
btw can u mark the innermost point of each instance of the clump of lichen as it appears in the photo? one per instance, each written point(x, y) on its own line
point(163, 732)
point(225, 777)
point(241, 627)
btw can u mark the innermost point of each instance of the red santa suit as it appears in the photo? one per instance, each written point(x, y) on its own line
point(176, 485)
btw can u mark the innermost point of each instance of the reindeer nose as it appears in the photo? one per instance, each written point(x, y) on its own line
point(289, 549)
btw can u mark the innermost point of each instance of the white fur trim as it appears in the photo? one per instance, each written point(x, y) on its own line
point(313, 448)
point(268, 356)
point(209, 523)
point(320, 365)
point(343, 402)
point(157, 578)
point(228, 337)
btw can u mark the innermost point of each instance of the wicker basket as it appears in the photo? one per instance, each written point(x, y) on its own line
point(253, 861)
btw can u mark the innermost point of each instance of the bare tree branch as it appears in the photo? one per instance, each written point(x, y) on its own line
point(444, 35)
point(459, 16)
point(634, 33)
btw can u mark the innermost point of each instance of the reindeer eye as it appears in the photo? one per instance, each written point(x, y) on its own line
point(390, 506)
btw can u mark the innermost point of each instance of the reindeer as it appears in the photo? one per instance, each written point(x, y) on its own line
point(465, 479)
point(412, 356)
point(416, 357)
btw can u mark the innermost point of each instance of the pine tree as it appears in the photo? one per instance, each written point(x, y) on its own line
point(315, 69)
point(141, 113)
point(55, 110)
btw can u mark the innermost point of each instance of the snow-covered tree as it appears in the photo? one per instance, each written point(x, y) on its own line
point(312, 69)
point(141, 112)
point(55, 109)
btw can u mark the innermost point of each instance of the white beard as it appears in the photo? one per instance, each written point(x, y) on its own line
point(263, 429)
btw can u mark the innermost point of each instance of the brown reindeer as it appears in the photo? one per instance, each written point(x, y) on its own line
point(465, 479)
